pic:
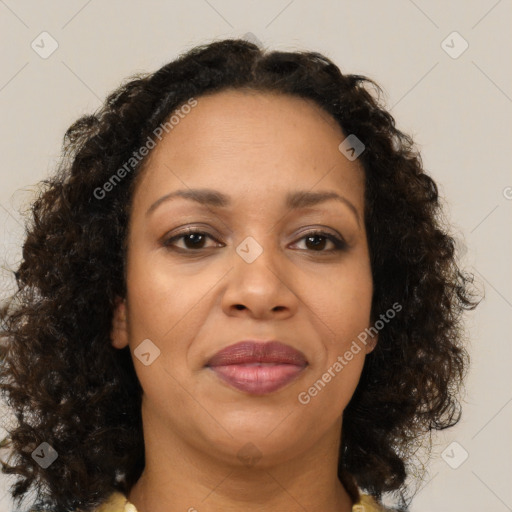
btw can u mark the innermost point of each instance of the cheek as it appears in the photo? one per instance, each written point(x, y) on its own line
point(159, 296)
point(160, 309)
point(329, 393)
point(344, 308)
point(168, 306)
point(344, 303)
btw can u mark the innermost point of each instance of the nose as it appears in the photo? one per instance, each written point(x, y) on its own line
point(262, 289)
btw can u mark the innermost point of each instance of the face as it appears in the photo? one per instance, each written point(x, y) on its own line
point(279, 253)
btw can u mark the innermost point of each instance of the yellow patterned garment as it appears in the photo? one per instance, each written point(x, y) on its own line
point(118, 503)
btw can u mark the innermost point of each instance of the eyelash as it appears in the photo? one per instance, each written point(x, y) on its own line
point(339, 243)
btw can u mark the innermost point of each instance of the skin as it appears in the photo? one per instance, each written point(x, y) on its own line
point(256, 148)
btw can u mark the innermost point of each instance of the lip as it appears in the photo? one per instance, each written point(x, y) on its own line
point(257, 367)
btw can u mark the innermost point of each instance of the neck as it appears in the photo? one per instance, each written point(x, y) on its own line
point(178, 477)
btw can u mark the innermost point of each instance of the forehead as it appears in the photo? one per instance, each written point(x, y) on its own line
point(254, 140)
point(254, 118)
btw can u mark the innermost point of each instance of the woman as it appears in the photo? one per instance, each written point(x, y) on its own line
point(236, 292)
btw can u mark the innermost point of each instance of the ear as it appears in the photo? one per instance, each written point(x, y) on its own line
point(119, 329)
point(371, 343)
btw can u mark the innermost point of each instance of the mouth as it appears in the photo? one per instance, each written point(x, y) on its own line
point(258, 368)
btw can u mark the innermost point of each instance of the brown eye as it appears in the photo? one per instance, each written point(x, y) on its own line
point(317, 240)
point(192, 240)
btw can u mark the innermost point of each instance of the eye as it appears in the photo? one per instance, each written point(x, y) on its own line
point(195, 240)
point(192, 240)
point(317, 240)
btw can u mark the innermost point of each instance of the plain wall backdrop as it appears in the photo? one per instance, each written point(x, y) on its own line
point(446, 71)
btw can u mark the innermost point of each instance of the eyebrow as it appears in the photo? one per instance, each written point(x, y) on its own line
point(215, 199)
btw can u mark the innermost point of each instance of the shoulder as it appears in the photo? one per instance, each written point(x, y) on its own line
point(116, 502)
point(367, 504)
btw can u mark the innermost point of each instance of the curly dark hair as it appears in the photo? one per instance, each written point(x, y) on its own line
point(70, 388)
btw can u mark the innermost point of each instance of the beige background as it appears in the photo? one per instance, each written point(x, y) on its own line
point(458, 110)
